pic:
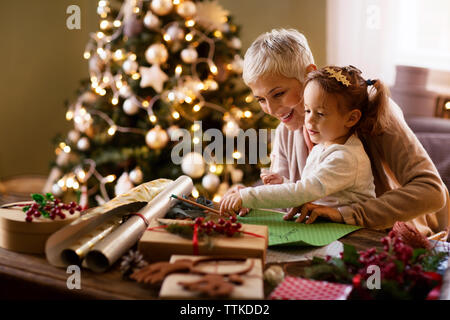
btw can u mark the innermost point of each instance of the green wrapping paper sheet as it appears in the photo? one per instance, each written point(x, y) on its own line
point(283, 232)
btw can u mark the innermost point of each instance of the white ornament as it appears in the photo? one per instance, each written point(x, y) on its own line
point(73, 136)
point(175, 33)
point(161, 7)
point(156, 54)
point(123, 184)
point(130, 106)
point(83, 144)
point(189, 55)
point(237, 175)
point(236, 43)
point(151, 21)
point(157, 138)
point(125, 91)
point(136, 175)
point(56, 190)
point(130, 66)
point(211, 182)
point(193, 165)
point(187, 9)
point(153, 77)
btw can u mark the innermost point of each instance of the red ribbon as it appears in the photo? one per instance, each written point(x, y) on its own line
point(195, 240)
point(142, 217)
point(195, 248)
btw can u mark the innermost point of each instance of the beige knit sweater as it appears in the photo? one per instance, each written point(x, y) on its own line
point(407, 184)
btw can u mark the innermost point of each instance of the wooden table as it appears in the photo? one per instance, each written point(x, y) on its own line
point(26, 276)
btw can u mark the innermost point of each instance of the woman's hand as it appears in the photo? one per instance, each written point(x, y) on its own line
point(231, 203)
point(268, 177)
point(314, 211)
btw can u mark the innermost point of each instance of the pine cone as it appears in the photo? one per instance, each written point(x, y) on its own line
point(411, 236)
point(131, 262)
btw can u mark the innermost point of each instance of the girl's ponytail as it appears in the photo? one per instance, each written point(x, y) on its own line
point(375, 116)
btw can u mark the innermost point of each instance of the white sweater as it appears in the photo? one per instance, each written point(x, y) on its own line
point(334, 176)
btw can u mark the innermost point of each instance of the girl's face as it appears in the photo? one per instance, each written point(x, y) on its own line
point(282, 98)
point(324, 122)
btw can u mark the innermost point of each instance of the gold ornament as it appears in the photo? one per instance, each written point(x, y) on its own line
point(187, 9)
point(157, 138)
point(189, 55)
point(151, 21)
point(156, 54)
point(161, 7)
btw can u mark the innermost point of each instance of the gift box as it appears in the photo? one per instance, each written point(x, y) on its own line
point(157, 244)
point(293, 288)
point(28, 237)
point(252, 286)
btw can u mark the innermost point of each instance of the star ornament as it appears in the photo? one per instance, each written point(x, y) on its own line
point(338, 76)
point(153, 77)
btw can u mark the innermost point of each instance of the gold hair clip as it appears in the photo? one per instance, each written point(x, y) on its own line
point(338, 76)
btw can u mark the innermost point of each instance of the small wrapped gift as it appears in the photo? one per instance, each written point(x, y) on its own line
point(222, 278)
point(158, 244)
point(304, 289)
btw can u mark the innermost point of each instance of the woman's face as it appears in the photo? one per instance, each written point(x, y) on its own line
point(282, 98)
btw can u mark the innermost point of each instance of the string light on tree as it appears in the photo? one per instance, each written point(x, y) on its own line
point(168, 58)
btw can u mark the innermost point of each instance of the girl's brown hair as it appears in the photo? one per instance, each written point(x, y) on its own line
point(373, 104)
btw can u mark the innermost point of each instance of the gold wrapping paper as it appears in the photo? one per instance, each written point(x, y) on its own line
point(72, 243)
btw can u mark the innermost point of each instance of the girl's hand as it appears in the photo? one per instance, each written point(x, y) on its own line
point(314, 211)
point(271, 178)
point(231, 203)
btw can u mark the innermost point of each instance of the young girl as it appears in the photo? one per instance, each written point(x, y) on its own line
point(338, 106)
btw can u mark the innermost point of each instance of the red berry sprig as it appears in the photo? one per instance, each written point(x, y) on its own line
point(49, 207)
point(226, 227)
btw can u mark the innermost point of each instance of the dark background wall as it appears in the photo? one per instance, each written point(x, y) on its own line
point(42, 65)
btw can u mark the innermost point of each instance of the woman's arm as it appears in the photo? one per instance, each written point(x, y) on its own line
point(421, 189)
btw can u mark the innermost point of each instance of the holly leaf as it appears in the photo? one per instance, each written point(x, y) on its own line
point(25, 209)
point(417, 253)
point(351, 256)
point(44, 213)
point(50, 196)
point(38, 198)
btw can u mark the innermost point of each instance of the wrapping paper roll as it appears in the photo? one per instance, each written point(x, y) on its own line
point(111, 248)
point(99, 231)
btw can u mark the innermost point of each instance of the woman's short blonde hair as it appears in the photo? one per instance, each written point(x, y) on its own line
point(282, 52)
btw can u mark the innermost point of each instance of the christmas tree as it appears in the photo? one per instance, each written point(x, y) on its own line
point(157, 67)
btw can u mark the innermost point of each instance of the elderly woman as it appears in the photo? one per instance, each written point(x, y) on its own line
point(407, 184)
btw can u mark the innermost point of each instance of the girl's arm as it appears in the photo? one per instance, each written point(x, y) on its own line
point(421, 190)
point(337, 172)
